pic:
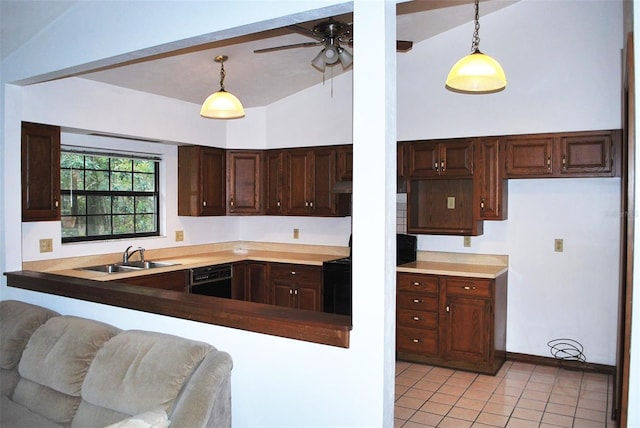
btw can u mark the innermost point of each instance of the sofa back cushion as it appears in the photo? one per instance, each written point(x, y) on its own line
point(55, 362)
point(160, 362)
point(18, 320)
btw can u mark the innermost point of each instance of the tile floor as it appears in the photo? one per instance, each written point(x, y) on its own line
point(519, 396)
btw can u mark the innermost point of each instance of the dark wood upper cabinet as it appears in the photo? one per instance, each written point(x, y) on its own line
point(310, 175)
point(490, 186)
point(529, 155)
point(244, 182)
point(201, 181)
point(569, 154)
point(345, 163)
point(588, 153)
point(273, 182)
point(40, 152)
point(439, 158)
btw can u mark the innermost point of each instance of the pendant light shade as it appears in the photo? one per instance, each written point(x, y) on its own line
point(222, 104)
point(476, 73)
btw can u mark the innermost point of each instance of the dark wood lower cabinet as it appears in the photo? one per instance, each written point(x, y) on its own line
point(250, 282)
point(296, 286)
point(176, 280)
point(454, 322)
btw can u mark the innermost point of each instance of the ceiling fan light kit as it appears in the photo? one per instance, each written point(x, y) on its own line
point(476, 73)
point(222, 104)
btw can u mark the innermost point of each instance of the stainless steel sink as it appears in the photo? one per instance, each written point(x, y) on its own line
point(128, 267)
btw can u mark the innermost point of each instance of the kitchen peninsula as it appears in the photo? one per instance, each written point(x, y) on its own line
point(68, 278)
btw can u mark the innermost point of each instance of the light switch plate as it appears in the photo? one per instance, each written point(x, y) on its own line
point(179, 235)
point(296, 233)
point(46, 245)
point(451, 202)
point(558, 245)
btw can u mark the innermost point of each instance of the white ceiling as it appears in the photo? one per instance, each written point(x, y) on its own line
point(257, 79)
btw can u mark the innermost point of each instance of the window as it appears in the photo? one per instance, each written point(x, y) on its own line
point(108, 196)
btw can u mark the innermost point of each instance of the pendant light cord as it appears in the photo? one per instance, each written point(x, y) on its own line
point(222, 75)
point(475, 42)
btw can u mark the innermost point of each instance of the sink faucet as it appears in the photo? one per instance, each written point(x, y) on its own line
point(126, 255)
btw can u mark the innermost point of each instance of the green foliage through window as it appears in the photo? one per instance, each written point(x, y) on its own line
point(108, 196)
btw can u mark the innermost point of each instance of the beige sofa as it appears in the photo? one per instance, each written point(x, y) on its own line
point(65, 371)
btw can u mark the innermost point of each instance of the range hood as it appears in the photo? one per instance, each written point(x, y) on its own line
point(346, 187)
point(342, 187)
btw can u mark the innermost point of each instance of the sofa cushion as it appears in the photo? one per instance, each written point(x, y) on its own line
point(54, 364)
point(150, 419)
point(19, 320)
point(161, 362)
point(13, 415)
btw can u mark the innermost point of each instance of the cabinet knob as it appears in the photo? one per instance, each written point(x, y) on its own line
point(295, 291)
point(204, 203)
point(564, 161)
point(442, 167)
point(548, 162)
point(417, 300)
point(293, 272)
point(306, 203)
point(311, 204)
point(482, 204)
point(278, 203)
point(231, 203)
point(435, 165)
point(416, 284)
point(415, 340)
point(448, 309)
point(469, 287)
point(56, 203)
point(416, 318)
point(290, 291)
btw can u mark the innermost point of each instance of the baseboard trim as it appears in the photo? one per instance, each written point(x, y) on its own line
point(565, 364)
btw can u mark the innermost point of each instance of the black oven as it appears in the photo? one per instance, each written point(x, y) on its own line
point(211, 281)
point(336, 275)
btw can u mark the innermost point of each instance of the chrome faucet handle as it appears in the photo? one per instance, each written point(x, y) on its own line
point(125, 255)
point(141, 254)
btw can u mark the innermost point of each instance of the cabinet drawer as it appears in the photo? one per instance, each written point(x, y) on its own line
point(298, 273)
point(417, 283)
point(417, 302)
point(469, 287)
point(416, 340)
point(415, 319)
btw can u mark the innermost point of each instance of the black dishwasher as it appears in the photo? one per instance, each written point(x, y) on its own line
point(211, 281)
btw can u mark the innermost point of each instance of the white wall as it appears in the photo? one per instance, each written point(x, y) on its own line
point(337, 387)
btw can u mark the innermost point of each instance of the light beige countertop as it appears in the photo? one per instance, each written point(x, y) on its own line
point(457, 264)
point(435, 263)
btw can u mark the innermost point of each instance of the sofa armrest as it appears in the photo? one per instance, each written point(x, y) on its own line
point(205, 400)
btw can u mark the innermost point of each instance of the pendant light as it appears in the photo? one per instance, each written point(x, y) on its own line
point(222, 104)
point(476, 73)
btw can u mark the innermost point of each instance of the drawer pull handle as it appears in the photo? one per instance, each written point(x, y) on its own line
point(293, 272)
point(416, 318)
point(416, 284)
point(415, 340)
point(417, 300)
point(469, 287)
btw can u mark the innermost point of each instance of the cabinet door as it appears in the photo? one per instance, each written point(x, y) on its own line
point(323, 170)
point(273, 165)
point(529, 156)
point(456, 158)
point(201, 181)
point(490, 192)
point(422, 158)
point(240, 281)
point(244, 181)
point(345, 163)
point(40, 153)
point(298, 186)
point(586, 154)
point(212, 184)
point(258, 286)
point(467, 326)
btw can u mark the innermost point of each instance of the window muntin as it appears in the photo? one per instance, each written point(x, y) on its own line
point(108, 196)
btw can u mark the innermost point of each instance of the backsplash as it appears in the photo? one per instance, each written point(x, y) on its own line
point(401, 213)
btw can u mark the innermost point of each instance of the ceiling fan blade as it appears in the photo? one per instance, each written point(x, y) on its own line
point(296, 45)
point(403, 45)
point(303, 30)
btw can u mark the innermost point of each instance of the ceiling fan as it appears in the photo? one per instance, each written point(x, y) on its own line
point(332, 35)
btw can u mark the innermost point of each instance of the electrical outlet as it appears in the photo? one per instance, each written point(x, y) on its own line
point(296, 233)
point(558, 245)
point(467, 241)
point(179, 235)
point(451, 202)
point(46, 245)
